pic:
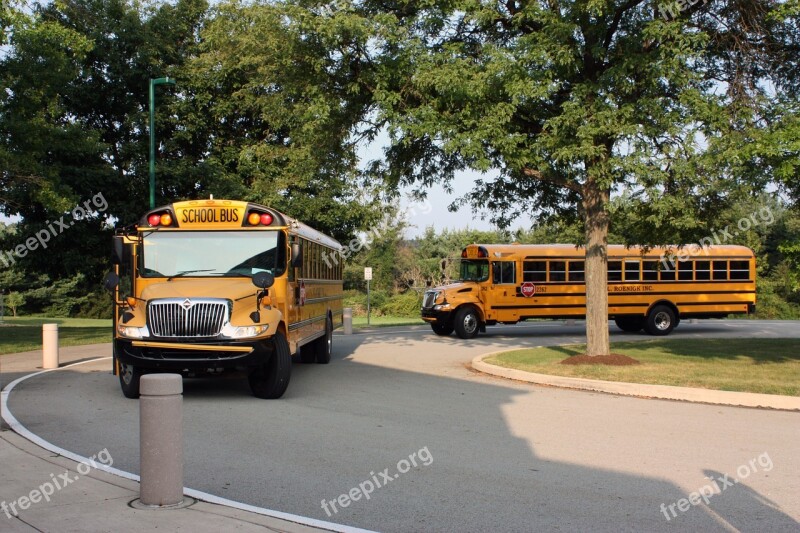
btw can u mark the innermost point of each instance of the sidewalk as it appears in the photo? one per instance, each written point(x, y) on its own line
point(663, 392)
point(97, 501)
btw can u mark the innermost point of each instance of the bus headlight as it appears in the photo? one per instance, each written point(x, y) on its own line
point(133, 332)
point(243, 332)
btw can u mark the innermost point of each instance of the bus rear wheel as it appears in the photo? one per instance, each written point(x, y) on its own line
point(270, 379)
point(129, 377)
point(660, 321)
point(631, 324)
point(442, 330)
point(466, 323)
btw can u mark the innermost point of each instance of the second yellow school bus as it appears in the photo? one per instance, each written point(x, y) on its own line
point(647, 289)
point(204, 286)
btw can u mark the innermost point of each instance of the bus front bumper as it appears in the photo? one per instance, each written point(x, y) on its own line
point(188, 356)
point(432, 315)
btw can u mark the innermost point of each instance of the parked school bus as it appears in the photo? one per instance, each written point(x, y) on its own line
point(647, 289)
point(205, 286)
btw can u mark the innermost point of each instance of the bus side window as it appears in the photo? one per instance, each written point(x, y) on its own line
point(504, 272)
point(720, 270)
point(615, 271)
point(650, 270)
point(576, 271)
point(685, 270)
point(631, 270)
point(558, 271)
point(740, 270)
point(702, 270)
point(534, 271)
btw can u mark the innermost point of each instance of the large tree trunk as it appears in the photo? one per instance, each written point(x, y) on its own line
point(595, 200)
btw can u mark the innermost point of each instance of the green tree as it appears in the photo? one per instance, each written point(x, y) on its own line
point(272, 109)
point(13, 301)
point(566, 102)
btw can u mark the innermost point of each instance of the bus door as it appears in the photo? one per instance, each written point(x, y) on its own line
point(503, 292)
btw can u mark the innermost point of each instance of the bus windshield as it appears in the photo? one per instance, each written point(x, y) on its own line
point(207, 253)
point(477, 270)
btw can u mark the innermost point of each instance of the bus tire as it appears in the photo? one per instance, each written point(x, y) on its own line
point(467, 322)
point(270, 379)
point(129, 378)
point(324, 345)
point(660, 321)
point(443, 330)
point(631, 324)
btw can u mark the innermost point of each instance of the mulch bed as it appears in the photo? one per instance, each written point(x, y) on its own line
point(614, 359)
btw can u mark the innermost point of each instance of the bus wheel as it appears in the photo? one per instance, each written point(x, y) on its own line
point(466, 323)
point(323, 345)
point(442, 329)
point(129, 377)
point(270, 379)
point(631, 324)
point(660, 321)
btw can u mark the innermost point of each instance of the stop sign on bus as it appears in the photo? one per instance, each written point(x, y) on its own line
point(528, 289)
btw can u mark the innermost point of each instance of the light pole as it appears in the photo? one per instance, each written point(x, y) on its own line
point(153, 83)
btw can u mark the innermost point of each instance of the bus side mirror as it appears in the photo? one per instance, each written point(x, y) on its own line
point(263, 280)
point(111, 281)
point(118, 255)
point(297, 255)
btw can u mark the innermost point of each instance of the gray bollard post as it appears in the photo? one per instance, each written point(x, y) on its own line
point(347, 318)
point(49, 346)
point(161, 440)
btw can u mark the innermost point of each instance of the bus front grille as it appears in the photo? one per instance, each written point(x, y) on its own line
point(429, 299)
point(175, 317)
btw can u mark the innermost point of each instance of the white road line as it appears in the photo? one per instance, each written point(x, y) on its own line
point(18, 428)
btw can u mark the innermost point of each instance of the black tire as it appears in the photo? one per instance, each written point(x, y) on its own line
point(660, 321)
point(466, 322)
point(129, 377)
point(269, 380)
point(631, 324)
point(443, 330)
point(324, 345)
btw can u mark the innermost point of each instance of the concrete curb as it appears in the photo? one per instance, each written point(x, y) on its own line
point(663, 392)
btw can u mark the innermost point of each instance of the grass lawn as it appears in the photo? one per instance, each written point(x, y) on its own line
point(768, 366)
point(23, 334)
point(380, 321)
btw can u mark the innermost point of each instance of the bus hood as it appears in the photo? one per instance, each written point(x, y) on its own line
point(228, 288)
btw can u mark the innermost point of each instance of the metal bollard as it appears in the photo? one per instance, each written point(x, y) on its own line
point(347, 318)
point(161, 440)
point(49, 346)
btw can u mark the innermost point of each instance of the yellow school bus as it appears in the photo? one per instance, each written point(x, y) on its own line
point(649, 289)
point(205, 286)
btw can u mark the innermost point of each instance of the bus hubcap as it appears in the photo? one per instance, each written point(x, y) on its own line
point(470, 323)
point(127, 373)
point(662, 321)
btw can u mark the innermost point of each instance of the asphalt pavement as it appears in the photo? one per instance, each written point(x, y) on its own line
point(398, 433)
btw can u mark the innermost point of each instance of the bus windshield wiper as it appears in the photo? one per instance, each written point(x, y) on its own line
point(185, 272)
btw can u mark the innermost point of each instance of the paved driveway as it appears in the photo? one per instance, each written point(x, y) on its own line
point(438, 447)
